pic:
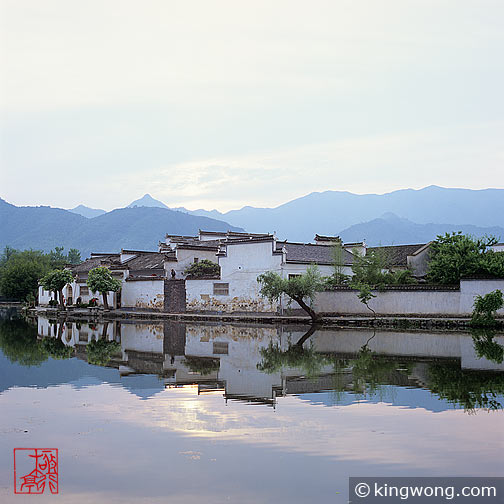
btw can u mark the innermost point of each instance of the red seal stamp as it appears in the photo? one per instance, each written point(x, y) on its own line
point(35, 469)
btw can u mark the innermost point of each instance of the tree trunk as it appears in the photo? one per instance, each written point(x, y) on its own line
point(306, 336)
point(307, 309)
point(105, 301)
point(105, 330)
point(60, 294)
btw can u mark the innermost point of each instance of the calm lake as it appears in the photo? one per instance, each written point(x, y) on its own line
point(167, 412)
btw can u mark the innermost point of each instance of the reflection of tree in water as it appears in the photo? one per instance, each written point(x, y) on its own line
point(369, 370)
point(469, 389)
point(19, 343)
point(485, 345)
point(296, 356)
point(99, 352)
point(56, 348)
point(202, 365)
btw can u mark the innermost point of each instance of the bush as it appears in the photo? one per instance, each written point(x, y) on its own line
point(53, 302)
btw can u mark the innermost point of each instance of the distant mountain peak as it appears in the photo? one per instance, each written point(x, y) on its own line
point(391, 216)
point(147, 201)
point(87, 211)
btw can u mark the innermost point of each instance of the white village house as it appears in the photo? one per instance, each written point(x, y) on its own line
point(156, 280)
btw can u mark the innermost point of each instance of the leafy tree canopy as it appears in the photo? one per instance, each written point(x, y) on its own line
point(297, 288)
point(455, 255)
point(202, 268)
point(485, 308)
point(21, 271)
point(55, 281)
point(101, 280)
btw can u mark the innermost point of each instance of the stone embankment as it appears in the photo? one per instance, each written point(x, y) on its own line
point(336, 320)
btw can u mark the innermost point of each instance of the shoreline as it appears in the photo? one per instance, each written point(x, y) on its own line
point(334, 320)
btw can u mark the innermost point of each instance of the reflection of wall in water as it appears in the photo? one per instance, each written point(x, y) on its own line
point(76, 333)
point(407, 344)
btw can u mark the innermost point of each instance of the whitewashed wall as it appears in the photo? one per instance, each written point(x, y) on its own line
point(45, 296)
point(185, 258)
point(240, 268)
point(143, 294)
point(469, 289)
point(410, 302)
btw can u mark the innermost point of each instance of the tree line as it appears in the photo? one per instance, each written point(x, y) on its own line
point(21, 270)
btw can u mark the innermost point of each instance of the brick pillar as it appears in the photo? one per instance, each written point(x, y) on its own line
point(174, 296)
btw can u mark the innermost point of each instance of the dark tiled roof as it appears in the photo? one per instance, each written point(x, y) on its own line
point(309, 253)
point(208, 244)
point(146, 261)
point(327, 238)
point(396, 255)
point(94, 261)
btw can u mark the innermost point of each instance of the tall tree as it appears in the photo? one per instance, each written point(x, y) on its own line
point(74, 256)
point(57, 258)
point(455, 255)
point(101, 280)
point(55, 281)
point(21, 271)
point(298, 288)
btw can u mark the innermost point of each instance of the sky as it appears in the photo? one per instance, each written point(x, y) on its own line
point(221, 104)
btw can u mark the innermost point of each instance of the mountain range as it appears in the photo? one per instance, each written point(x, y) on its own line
point(330, 212)
point(389, 229)
point(139, 228)
point(400, 217)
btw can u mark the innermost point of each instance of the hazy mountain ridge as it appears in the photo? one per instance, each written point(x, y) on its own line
point(331, 211)
point(87, 211)
point(134, 228)
point(393, 230)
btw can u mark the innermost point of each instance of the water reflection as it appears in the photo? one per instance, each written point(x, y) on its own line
point(263, 363)
point(175, 412)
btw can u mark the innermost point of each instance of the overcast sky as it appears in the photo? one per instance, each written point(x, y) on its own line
point(220, 104)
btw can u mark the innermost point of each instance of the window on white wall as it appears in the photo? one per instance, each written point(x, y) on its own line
point(84, 290)
point(220, 348)
point(221, 289)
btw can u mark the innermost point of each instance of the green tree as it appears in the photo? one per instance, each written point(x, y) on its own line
point(21, 272)
point(74, 256)
point(101, 280)
point(202, 268)
point(455, 255)
point(485, 309)
point(297, 288)
point(55, 281)
point(338, 258)
point(493, 263)
point(7, 253)
point(57, 258)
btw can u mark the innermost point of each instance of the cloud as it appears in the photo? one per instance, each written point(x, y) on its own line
point(470, 156)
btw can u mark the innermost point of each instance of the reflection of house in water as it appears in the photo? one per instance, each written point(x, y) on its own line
point(226, 357)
